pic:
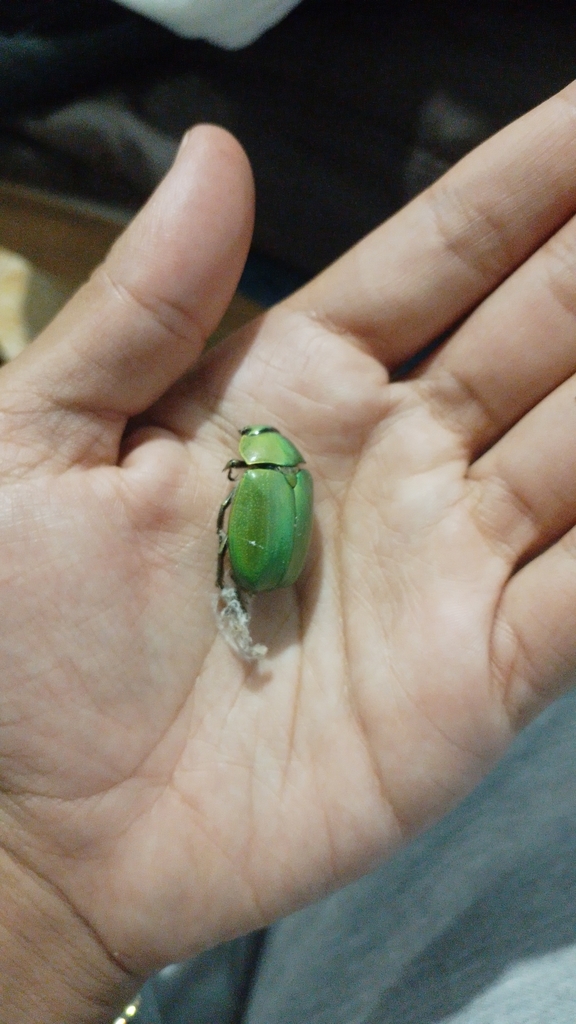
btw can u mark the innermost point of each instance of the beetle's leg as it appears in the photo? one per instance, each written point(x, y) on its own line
point(222, 539)
point(234, 464)
point(220, 571)
point(220, 521)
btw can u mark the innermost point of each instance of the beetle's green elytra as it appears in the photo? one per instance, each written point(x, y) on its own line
point(270, 518)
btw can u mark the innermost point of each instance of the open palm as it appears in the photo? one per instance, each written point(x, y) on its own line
point(172, 793)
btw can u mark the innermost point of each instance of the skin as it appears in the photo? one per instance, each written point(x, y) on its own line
point(157, 794)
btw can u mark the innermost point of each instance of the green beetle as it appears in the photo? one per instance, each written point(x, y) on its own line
point(270, 518)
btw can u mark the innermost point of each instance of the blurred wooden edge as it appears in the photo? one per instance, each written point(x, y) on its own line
point(240, 311)
point(59, 236)
point(67, 239)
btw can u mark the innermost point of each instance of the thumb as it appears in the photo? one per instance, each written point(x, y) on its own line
point(142, 319)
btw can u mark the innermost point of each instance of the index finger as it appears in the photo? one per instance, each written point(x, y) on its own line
point(423, 270)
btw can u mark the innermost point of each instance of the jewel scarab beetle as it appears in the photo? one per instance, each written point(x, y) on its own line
point(270, 519)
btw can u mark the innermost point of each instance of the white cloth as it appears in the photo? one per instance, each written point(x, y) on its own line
point(228, 23)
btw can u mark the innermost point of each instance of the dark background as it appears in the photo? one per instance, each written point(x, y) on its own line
point(346, 109)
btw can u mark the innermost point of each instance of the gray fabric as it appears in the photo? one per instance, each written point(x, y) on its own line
point(209, 989)
point(148, 1012)
point(541, 989)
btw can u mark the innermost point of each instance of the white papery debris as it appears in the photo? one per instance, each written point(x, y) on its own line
point(234, 624)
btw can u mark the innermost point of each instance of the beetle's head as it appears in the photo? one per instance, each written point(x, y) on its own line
point(261, 429)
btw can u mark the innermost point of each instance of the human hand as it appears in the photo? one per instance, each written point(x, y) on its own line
point(169, 793)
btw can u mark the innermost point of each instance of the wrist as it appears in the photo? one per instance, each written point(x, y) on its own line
point(53, 967)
